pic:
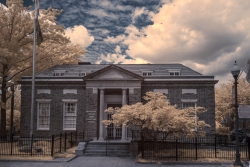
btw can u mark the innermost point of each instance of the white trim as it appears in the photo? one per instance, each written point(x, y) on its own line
point(60, 71)
point(70, 100)
point(49, 79)
point(170, 79)
point(112, 87)
point(189, 100)
point(165, 91)
point(45, 91)
point(174, 70)
point(72, 91)
point(91, 111)
point(43, 100)
point(184, 91)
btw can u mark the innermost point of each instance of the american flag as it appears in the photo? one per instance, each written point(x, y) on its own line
point(247, 71)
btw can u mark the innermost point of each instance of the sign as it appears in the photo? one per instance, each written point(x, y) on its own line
point(244, 111)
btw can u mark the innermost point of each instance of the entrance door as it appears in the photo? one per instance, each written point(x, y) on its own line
point(112, 131)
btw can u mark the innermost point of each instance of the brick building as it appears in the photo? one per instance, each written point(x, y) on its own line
point(74, 97)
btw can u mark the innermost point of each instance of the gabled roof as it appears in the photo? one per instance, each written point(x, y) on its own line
point(115, 75)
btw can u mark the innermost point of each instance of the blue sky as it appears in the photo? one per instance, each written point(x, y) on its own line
point(205, 35)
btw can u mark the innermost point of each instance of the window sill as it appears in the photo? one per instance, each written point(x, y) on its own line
point(68, 129)
point(43, 129)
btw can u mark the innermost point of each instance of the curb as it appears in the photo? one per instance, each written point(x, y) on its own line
point(185, 163)
point(46, 161)
point(191, 163)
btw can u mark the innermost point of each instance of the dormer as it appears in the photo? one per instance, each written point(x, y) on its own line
point(81, 73)
point(58, 73)
point(174, 72)
point(147, 73)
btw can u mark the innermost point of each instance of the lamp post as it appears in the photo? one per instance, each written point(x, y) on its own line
point(235, 72)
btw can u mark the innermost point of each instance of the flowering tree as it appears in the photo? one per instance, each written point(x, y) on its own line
point(16, 46)
point(224, 100)
point(157, 116)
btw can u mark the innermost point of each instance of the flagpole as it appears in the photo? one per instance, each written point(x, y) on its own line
point(33, 76)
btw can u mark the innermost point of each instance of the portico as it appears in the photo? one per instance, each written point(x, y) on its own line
point(112, 88)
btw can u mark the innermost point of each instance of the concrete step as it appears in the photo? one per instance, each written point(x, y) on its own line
point(113, 149)
point(109, 146)
point(109, 154)
point(110, 151)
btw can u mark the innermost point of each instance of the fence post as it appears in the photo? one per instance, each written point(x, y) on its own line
point(31, 145)
point(248, 146)
point(176, 149)
point(196, 148)
point(82, 135)
point(75, 139)
point(11, 144)
point(142, 145)
point(65, 141)
point(60, 142)
point(71, 142)
point(52, 145)
point(215, 146)
point(132, 135)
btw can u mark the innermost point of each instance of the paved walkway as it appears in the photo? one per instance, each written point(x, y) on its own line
point(106, 162)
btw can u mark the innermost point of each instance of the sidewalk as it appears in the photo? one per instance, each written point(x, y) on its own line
point(84, 161)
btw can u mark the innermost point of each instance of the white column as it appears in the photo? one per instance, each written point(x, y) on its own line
point(124, 102)
point(101, 115)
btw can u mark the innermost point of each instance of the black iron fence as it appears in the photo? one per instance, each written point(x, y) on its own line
point(182, 148)
point(39, 145)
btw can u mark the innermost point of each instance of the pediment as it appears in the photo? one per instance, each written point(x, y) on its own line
point(113, 72)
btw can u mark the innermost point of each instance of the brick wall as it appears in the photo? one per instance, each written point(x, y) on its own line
point(91, 105)
point(205, 96)
point(56, 108)
point(135, 97)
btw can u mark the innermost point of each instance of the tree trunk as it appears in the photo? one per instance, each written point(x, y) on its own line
point(3, 106)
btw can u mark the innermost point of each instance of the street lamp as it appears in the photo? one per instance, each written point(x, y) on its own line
point(235, 72)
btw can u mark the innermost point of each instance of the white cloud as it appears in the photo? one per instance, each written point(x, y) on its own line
point(117, 58)
point(118, 49)
point(140, 11)
point(112, 6)
point(79, 35)
point(100, 13)
point(137, 12)
point(205, 35)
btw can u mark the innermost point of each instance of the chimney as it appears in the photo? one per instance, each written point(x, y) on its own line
point(84, 63)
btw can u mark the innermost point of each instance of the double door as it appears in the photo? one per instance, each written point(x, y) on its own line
point(112, 131)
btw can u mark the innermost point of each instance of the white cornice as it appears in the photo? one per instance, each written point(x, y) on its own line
point(170, 79)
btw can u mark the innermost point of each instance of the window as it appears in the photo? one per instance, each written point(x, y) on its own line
point(187, 105)
point(69, 114)
point(193, 91)
point(147, 74)
point(193, 116)
point(82, 74)
point(174, 72)
point(58, 73)
point(43, 114)
point(163, 91)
